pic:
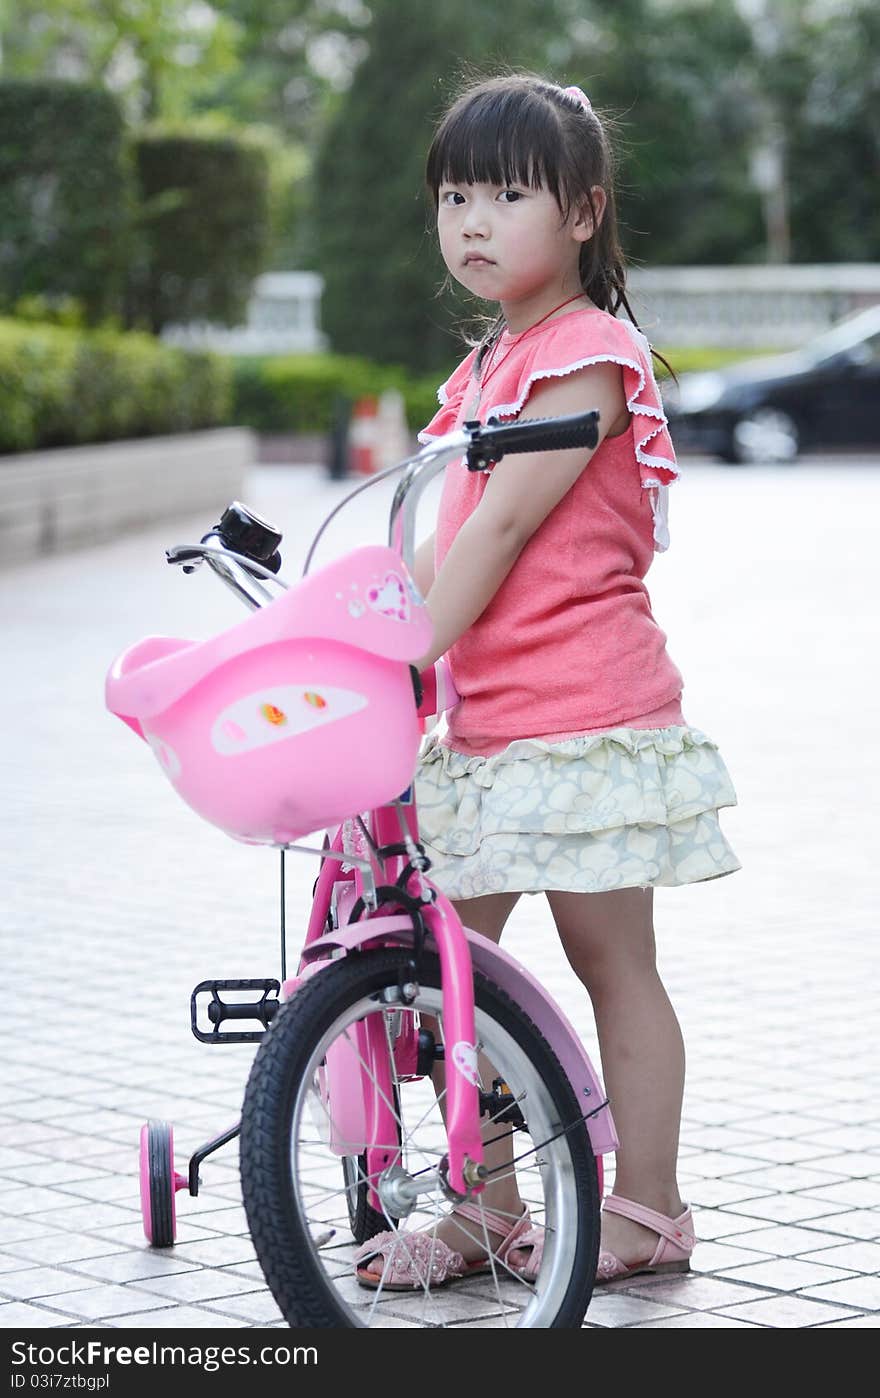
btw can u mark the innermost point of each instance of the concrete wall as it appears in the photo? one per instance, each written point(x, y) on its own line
point(51, 501)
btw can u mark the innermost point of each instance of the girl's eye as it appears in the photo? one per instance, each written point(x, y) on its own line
point(449, 197)
point(513, 193)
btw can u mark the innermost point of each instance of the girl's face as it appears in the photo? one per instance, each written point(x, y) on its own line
point(508, 243)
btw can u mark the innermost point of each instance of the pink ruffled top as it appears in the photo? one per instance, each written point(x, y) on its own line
point(568, 644)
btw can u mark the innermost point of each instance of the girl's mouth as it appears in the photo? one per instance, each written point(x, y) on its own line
point(476, 259)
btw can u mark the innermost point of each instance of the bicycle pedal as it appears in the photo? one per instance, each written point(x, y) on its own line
point(218, 1011)
point(501, 1105)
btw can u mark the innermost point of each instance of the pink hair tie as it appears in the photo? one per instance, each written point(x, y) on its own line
point(579, 96)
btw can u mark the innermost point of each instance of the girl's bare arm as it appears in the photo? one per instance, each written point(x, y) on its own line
point(520, 494)
point(423, 566)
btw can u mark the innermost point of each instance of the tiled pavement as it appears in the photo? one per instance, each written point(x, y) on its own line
point(116, 901)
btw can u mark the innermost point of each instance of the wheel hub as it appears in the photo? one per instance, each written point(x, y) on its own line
point(398, 1191)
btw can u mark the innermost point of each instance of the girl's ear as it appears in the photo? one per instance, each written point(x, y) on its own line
point(585, 224)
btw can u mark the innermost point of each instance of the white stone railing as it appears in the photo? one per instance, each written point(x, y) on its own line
point(758, 306)
point(768, 306)
point(283, 318)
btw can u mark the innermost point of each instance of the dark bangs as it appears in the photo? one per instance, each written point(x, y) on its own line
point(509, 135)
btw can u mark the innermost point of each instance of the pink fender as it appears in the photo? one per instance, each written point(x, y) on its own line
point(507, 973)
point(349, 1132)
point(341, 1081)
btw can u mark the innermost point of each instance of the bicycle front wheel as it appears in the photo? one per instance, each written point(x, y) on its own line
point(297, 1202)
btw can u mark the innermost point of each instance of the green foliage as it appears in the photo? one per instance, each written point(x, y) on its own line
point(276, 80)
point(63, 194)
point(299, 393)
point(676, 78)
point(162, 54)
point(59, 387)
point(691, 359)
point(699, 86)
point(826, 83)
point(374, 240)
point(50, 310)
point(204, 227)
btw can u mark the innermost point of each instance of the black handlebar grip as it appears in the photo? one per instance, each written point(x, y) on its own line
point(497, 440)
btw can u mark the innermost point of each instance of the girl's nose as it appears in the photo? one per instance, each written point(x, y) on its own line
point(475, 222)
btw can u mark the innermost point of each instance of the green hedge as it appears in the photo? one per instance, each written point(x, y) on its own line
point(64, 194)
point(203, 227)
point(690, 359)
point(61, 387)
point(299, 393)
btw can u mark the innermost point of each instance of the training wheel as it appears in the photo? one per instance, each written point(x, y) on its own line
point(159, 1183)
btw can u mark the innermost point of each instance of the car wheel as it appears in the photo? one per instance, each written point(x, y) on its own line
point(764, 436)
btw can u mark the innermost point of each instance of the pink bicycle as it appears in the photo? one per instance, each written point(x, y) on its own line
point(409, 1062)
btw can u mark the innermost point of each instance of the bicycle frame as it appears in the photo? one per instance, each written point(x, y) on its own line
point(368, 1114)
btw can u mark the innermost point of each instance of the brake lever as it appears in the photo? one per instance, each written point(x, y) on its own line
point(476, 455)
point(185, 555)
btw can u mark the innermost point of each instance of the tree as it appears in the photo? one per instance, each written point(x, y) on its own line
point(155, 55)
point(828, 85)
point(204, 226)
point(292, 54)
point(373, 232)
point(676, 75)
point(267, 64)
point(64, 195)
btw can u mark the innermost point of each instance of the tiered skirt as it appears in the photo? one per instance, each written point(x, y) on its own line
point(624, 808)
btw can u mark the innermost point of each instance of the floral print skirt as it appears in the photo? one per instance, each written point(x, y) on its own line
point(624, 808)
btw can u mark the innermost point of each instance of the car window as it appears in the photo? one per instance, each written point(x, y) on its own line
point(860, 353)
point(872, 350)
point(853, 331)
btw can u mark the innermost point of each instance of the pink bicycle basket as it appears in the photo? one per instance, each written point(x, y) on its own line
point(295, 718)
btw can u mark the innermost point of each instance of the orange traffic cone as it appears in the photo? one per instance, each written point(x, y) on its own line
point(394, 443)
point(364, 437)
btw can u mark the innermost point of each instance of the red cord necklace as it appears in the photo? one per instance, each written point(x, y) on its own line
point(492, 368)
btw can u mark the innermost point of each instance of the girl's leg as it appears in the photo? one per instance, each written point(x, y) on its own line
point(609, 941)
point(486, 915)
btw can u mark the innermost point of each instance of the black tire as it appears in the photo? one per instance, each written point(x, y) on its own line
point(160, 1156)
point(365, 1221)
point(279, 1084)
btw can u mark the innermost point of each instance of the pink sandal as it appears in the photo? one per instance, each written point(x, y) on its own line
point(409, 1256)
point(673, 1253)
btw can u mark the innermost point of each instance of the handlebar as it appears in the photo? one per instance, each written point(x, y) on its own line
point(243, 548)
point(482, 446)
point(495, 440)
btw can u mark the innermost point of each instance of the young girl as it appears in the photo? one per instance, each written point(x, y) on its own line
point(568, 767)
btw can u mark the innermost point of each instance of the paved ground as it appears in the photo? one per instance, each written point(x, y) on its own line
point(117, 901)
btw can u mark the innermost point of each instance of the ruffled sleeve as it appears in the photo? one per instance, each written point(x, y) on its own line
point(450, 395)
point(578, 341)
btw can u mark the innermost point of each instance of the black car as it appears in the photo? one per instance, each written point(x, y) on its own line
point(826, 394)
